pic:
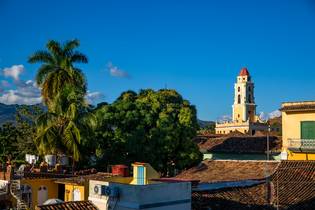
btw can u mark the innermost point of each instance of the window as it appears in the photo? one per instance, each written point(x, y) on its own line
point(308, 130)
point(239, 99)
point(238, 116)
point(76, 195)
point(249, 88)
point(238, 89)
point(249, 98)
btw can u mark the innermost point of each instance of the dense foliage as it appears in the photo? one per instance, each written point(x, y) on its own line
point(152, 126)
point(17, 139)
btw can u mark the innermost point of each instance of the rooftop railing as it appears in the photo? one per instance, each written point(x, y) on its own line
point(301, 145)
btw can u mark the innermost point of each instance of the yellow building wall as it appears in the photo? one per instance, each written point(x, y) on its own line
point(291, 125)
point(69, 192)
point(291, 129)
point(51, 186)
point(300, 156)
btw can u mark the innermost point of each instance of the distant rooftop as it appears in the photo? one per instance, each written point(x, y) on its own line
point(211, 171)
point(237, 143)
point(298, 106)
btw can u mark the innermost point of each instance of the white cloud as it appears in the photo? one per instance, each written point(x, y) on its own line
point(117, 72)
point(13, 71)
point(274, 114)
point(15, 97)
point(224, 118)
point(93, 97)
point(23, 92)
point(271, 115)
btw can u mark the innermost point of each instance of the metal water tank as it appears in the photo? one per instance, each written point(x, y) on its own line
point(50, 159)
point(64, 160)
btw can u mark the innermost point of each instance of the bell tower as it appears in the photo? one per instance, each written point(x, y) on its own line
point(244, 107)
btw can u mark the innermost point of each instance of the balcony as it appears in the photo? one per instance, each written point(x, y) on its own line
point(302, 145)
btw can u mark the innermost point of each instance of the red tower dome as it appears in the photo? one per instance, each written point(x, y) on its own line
point(244, 72)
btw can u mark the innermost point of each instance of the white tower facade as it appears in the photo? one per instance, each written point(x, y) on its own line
point(244, 107)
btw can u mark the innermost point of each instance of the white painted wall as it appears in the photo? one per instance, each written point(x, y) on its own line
point(160, 196)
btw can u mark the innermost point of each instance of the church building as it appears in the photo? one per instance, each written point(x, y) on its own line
point(244, 118)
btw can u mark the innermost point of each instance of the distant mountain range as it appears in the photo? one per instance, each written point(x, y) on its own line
point(8, 112)
point(204, 124)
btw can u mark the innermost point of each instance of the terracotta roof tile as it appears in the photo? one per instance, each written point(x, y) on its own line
point(229, 170)
point(80, 180)
point(292, 186)
point(298, 107)
point(295, 181)
point(73, 205)
point(237, 144)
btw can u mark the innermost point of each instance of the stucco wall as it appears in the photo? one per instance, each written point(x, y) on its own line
point(291, 129)
point(51, 186)
point(162, 196)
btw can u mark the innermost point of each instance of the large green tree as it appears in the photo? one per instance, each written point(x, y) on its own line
point(151, 126)
point(57, 69)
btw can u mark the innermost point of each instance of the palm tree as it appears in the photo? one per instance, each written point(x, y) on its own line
point(63, 131)
point(57, 69)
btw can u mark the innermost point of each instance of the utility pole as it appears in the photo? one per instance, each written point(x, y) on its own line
point(268, 133)
point(268, 190)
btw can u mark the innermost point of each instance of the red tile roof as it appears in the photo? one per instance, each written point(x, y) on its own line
point(294, 182)
point(229, 170)
point(244, 72)
point(233, 198)
point(237, 144)
point(292, 186)
point(73, 205)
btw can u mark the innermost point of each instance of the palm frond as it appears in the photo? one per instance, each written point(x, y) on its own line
point(42, 73)
point(70, 45)
point(72, 140)
point(78, 57)
point(41, 56)
point(55, 48)
point(72, 111)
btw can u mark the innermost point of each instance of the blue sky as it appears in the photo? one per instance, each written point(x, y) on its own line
point(195, 47)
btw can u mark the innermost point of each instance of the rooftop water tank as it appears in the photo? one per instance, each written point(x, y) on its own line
point(50, 159)
point(120, 170)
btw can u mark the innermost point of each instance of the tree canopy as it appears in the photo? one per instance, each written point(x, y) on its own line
point(149, 126)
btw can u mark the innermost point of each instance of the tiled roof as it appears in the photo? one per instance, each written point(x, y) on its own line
point(80, 180)
point(294, 182)
point(244, 72)
point(41, 175)
point(298, 106)
point(229, 170)
point(237, 144)
point(292, 186)
point(251, 198)
point(73, 205)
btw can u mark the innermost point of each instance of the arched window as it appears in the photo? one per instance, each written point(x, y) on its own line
point(239, 99)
